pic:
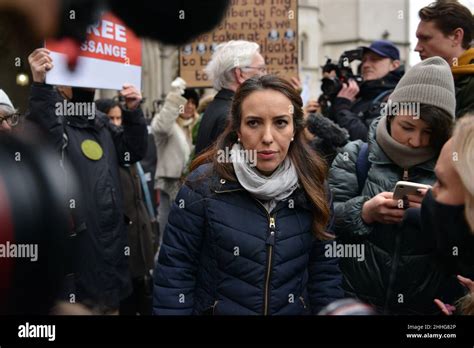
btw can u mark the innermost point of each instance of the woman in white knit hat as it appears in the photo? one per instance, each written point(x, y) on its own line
point(395, 272)
point(8, 114)
point(172, 128)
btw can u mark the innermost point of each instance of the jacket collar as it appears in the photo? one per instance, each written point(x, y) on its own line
point(99, 121)
point(225, 94)
point(465, 64)
point(372, 88)
point(220, 186)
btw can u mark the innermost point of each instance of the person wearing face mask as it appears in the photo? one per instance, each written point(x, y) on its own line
point(396, 274)
point(249, 228)
point(356, 107)
point(172, 128)
point(86, 142)
point(447, 212)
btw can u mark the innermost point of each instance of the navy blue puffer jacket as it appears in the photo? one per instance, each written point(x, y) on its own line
point(223, 253)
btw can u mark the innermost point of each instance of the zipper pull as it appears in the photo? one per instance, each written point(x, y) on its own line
point(271, 237)
point(302, 301)
point(272, 223)
point(405, 174)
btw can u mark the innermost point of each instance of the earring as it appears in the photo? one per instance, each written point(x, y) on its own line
point(292, 139)
point(238, 140)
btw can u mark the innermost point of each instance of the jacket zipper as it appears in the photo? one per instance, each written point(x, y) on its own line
point(393, 273)
point(270, 243)
point(395, 258)
point(405, 174)
point(302, 301)
point(214, 307)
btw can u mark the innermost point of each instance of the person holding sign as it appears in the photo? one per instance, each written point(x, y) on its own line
point(232, 63)
point(86, 141)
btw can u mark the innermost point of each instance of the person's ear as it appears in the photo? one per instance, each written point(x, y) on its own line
point(239, 76)
point(394, 65)
point(457, 36)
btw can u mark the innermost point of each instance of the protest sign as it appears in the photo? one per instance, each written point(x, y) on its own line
point(110, 57)
point(273, 24)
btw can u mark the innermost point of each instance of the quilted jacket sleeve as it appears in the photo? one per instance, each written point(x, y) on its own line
point(347, 200)
point(176, 270)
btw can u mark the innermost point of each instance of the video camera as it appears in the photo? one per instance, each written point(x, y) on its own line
point(332, 85)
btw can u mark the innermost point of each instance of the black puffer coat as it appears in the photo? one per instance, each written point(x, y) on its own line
point(100, 261)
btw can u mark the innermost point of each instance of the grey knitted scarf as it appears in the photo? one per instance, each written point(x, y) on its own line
point(402, 155)
point(277, 186)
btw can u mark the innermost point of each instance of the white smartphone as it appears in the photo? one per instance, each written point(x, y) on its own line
point(404, 188)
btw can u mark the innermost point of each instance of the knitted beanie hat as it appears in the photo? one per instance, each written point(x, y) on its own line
point(4, 100)
point(428, 82)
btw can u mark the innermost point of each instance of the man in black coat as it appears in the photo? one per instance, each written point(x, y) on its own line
point(355, 108)
point(232, 63)
point(89, 145)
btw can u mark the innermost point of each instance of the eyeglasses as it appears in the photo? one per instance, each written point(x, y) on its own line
point(262, 69)
point(11, 119)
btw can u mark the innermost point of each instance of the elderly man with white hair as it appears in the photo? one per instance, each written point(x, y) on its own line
point(232, 63)
point(8, 116)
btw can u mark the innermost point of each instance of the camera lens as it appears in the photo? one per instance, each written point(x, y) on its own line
point(331, 86)
point(33, 213)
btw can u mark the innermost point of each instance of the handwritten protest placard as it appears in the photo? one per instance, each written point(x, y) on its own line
point(271, 23)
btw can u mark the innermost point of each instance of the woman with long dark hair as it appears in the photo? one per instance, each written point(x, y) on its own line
point(248, 231)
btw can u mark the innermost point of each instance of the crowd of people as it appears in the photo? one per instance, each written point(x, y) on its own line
point(259, 205)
